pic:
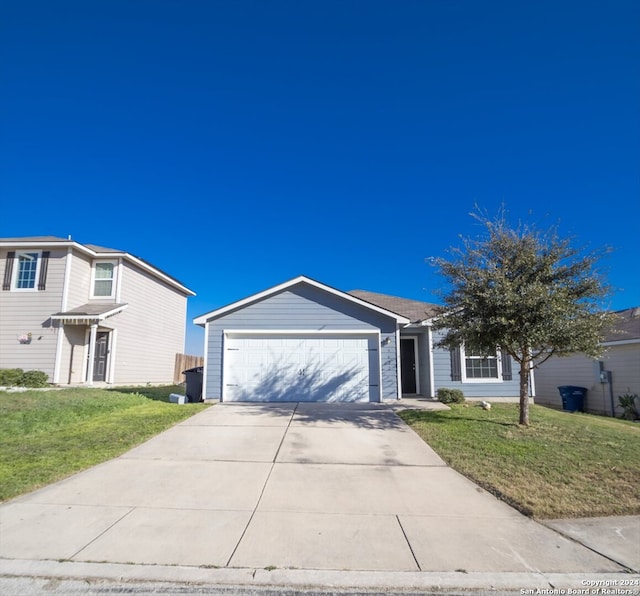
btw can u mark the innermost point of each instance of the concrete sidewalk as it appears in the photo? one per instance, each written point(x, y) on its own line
point(296, 489)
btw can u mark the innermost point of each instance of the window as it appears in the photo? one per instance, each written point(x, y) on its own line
point(26, 270)
point(481, 366)
point(104, 279)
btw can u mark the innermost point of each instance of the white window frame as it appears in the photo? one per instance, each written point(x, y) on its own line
point(114, 278)
point(463, 367)
point(16, 270)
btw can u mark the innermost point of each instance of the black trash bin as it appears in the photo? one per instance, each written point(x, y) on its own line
point(193, 379)
point(572, 398)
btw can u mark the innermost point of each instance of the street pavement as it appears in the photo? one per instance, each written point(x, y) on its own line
point(299, 496)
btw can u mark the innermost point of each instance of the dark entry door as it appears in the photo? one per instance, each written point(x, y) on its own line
point(408, 365)
point(100, 358)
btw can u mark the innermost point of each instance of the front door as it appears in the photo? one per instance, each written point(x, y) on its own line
point(408, 365)
point(100, 358)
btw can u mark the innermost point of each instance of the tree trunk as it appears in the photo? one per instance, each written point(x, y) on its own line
point(524, 393)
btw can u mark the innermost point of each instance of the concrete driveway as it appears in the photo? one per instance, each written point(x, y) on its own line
point(307, 486)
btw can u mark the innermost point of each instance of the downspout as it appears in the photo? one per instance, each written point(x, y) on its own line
point(205, 361)
point(398, 367)
point(610, 381)
point(432, 381)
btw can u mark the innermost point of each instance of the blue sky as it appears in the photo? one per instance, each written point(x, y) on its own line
point(237, 144)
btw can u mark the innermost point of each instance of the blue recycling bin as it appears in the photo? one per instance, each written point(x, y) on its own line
point(573, 398)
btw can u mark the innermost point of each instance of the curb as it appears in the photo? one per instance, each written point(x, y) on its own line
point(325, 581)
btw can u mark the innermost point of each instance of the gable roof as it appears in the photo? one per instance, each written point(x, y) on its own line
point(414, 310)
point(94, 251)
point(203, 319)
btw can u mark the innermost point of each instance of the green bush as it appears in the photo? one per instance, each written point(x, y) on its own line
point(628, 403)
point(34, 378)
point(16, 377)
point(10, 377)
point(450, 396)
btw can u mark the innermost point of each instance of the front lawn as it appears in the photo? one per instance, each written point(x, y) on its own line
point(563, 465)
point(47, 435)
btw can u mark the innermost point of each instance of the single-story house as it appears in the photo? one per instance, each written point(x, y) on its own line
point(303, 340)
point(615, 373)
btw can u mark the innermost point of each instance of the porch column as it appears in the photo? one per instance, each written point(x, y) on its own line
point(92, 353)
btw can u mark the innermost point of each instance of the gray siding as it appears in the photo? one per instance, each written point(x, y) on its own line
point(622, 360)
point(494, 389)
point(302, 307)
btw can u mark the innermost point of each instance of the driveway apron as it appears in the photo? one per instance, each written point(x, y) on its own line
point(307, 486)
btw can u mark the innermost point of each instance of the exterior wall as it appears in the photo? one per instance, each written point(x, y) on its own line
point(74, 355)
point(150, 331)
point(74, 345)
point(22, 312)
point(79, 281)
point(147, 335)
point(622, 360)
point(306, 308)
point(488, 390)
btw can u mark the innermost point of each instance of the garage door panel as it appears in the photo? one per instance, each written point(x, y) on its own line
point(271, 368)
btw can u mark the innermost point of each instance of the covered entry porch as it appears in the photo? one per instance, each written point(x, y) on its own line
point(89, 345)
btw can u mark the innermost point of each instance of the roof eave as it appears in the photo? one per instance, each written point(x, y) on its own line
point(87, 317)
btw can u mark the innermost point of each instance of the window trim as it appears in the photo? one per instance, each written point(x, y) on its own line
point(114, 279)
point(16, 271)
point(463, 369)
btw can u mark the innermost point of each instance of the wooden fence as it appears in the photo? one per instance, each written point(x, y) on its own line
point(184, 362)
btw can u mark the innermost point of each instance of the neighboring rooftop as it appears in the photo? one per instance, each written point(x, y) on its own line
point(414, 310)
point(627, 325)
point(95, 249)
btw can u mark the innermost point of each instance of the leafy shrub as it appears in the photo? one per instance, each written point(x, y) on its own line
point(10, 377)
point(450, 396)
point(628, 403)
point(16, 377)
point(34, 378)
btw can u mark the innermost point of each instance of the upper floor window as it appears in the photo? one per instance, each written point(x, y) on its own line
point(26, 270)
point(104, 279)
point(480, 365)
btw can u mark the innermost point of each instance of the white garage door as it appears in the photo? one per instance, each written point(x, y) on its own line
point(323, 368)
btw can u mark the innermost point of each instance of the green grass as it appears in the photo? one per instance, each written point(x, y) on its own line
point(563, 465)
point(48, 435)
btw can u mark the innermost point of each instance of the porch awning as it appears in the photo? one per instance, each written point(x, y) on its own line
point(88, 314)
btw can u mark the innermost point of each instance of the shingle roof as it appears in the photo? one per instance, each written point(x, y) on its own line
point(35, 239)
point(627, 325)
point(414, 310)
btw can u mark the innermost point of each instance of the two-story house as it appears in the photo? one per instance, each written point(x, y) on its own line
point(85, 314)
